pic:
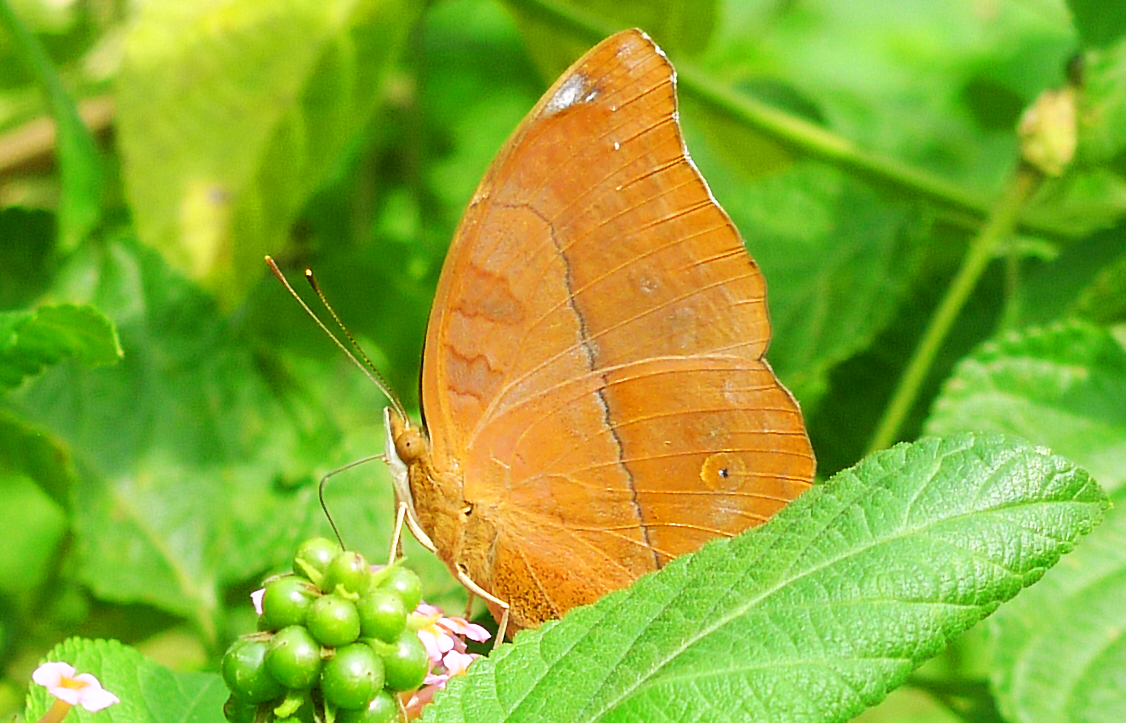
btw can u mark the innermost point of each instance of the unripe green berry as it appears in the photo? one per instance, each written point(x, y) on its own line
point(349, 571)
point(313, 556)
point(286, 602)
point(352, 677)
point(405, 662)
point(294, 658)
point(245, 673)
point(333, 621)
point(382, 709)
point(382, 614)
point(405, 584)
point(238, 710)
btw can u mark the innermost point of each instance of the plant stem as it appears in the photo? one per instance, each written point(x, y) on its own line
point(56, 712)
point(1001, 222)
point(794, 133)
point(808, 139)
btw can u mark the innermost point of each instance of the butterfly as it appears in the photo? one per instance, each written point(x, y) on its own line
point(595, 396)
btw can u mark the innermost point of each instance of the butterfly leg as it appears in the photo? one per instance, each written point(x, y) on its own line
point(404, 514)
point(475, 589)
point(397, 535)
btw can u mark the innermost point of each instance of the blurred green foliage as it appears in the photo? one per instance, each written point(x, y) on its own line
point(144, 499)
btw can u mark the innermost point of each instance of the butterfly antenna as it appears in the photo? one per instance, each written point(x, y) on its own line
point(366, 366)
point(321, 493)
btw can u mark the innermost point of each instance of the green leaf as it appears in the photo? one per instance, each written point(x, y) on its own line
point(813, 616)
point(1061, 647)
point(1080, 202)
point(1102, 111)
point(27, 250)
point(896, 81)
point(1104, 299)
point(148, 692)
point(1062, 386)
point(911, 704)
point(679, 26)
point(30, 341)
point(232, 113)
point(1058, 287)
point(31, 548)
point(197, 467)
point(79, 164)
point(36, 455)
point(1092, 194)
point(1099, 23)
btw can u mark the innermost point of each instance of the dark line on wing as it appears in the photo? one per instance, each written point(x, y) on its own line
point(589, 352)
point(652, 310)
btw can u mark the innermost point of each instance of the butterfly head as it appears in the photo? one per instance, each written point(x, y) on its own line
point(406, 442)
point(403, 445)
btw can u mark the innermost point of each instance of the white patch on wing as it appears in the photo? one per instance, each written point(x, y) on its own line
point(572, 91)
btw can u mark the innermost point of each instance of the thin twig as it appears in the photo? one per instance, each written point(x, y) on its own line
point(1001, 223)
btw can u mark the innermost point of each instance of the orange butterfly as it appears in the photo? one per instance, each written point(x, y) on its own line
point(593, 382)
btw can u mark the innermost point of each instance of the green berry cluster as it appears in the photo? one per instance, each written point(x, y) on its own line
point(333, 643)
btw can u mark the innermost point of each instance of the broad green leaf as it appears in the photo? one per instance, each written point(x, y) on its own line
point(817, 614)
point(31, 340)
point(1061, 285)
point(1099, 23)
point(36, 455)
point(31, 548)
point(1102, 116)
point(746, 150)
point(164, 441)
point(1104, 299)
point(148, 692)
point(1063, 386)
point(1057, 649)
point(79, 164)
point(198, 460)
point(1080, 202)
point(232, 113)
point(27, 244)
point(1061, 647)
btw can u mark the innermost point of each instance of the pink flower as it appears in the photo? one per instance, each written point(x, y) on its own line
point(60, 681)
point(456, 663)
point(256, 599)
point(443, 639)
point(440, 634)
point(453, 663)
point(464, 628)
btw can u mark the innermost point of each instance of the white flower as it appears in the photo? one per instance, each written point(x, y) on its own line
point(84, 690)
